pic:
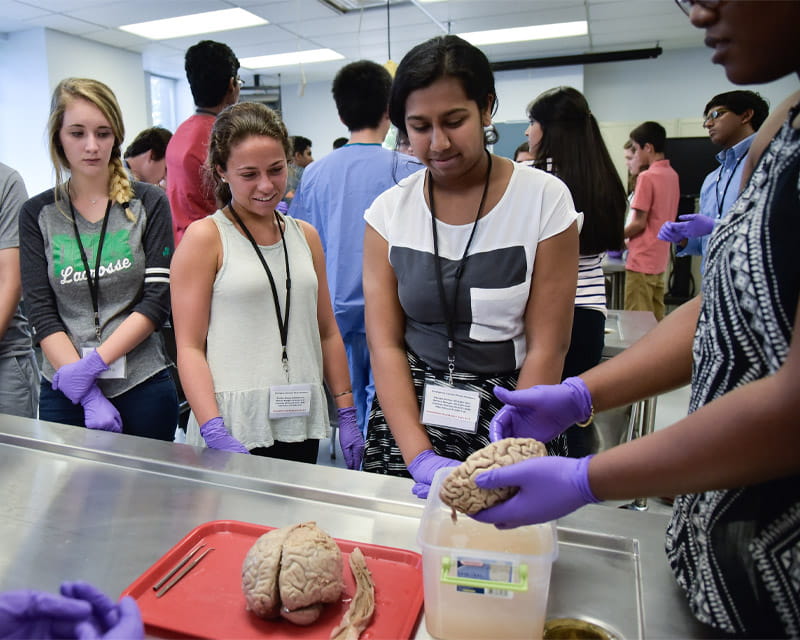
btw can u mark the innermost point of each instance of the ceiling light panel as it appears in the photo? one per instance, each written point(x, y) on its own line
point(290, 58)
point(524, 34)
point(195, 24)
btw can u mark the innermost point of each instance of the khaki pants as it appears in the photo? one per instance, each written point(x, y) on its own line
point(644, 292)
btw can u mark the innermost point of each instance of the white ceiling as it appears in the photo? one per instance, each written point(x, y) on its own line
point(361, 32)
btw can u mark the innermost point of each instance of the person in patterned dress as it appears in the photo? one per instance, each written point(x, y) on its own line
point(733, 542)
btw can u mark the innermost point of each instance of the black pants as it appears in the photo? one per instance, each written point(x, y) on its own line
point(585, 351)
point(305, 451)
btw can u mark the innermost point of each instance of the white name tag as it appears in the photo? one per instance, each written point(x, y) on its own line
point(289, 400)
point(450, 408)
point(116, 370)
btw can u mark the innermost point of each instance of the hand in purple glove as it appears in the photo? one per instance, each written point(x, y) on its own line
point(217, 436)
point(614, 254)
point(422, 469)
point(109, 621)
point(694, 225)
point(99, 413)
point(350, 437)
point(36, 614)
point(76, 378)
point(282, 207)
point(542, 412)
point(549, 487)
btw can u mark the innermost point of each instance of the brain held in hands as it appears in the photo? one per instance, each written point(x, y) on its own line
point(459, 490)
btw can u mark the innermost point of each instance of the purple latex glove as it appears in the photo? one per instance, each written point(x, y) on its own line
point(614, 254)
point(36, 614)
point(217, 436)
point(542, 412)
point(282, 207)
point(99, 413)
point(76, 378)
point(422, 469)
point(549, 487)
point(109, 621)
point(350, 437)
point(694, 225)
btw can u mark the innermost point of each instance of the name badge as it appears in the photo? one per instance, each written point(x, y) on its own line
point(289, 400)
point(450, 408)
point(117, 370)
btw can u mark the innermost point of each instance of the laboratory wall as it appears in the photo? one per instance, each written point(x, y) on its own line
point(672, 89)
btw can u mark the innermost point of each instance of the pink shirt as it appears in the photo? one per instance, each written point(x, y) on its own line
point(657, 192)
point(189, 198)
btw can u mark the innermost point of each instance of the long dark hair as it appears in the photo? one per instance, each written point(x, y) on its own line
point(573, 149)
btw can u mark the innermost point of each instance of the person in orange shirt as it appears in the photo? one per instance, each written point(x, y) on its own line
point(655, 202)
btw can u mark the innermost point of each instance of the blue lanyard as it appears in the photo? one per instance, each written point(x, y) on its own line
point(721, 201)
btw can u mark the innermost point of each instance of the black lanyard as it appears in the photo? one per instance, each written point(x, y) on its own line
point(93, 282)
point(721, 201)
point(283, 323)
point(450, 312)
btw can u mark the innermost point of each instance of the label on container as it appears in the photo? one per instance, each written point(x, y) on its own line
point(479, 569)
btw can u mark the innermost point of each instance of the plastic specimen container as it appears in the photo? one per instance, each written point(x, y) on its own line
point(479, 581)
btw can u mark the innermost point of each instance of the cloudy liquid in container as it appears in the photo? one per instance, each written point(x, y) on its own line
point(477, 550)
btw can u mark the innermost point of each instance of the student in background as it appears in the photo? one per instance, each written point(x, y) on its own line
point(95, 255)
point(212, 70)
point(301, 158)
point(19, 373)
point(732, 119)
point(145, 156)
point(523, 153)
point(734, 462)
point(339, 142)
point(565, 140)
point(469, 270)
point(655, 202)
point(249, 344)
point(333, 196)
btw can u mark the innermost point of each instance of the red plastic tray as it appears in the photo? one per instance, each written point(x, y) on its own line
point(208, 602)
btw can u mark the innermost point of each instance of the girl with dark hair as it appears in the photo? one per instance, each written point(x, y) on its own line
point(469, 271)
point(95, 254)
point(565, 140)
point(253, 350)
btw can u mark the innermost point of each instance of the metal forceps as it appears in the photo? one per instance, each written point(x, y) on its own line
point(183, 572)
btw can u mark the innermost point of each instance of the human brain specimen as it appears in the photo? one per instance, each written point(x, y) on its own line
point(292, 573)
point(459, 490)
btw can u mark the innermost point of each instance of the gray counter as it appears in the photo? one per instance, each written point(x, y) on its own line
point(81, 504)
point(623, 328)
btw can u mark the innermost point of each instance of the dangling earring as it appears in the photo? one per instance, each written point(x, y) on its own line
point(490, 134)
point(223, 178)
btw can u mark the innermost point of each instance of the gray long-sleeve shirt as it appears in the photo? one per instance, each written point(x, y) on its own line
point(133, 276)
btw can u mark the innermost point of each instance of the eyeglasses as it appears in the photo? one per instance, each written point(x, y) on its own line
point(686, 5)
point(715, 114)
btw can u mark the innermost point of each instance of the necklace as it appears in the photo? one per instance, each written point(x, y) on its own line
point(69, 187)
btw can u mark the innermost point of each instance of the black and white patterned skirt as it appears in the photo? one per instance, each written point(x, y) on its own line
point(382, 455)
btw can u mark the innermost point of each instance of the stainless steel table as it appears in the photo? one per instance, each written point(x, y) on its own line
point(103, 507)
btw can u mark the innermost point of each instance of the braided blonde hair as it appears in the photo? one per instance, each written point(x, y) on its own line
point(101, 96)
